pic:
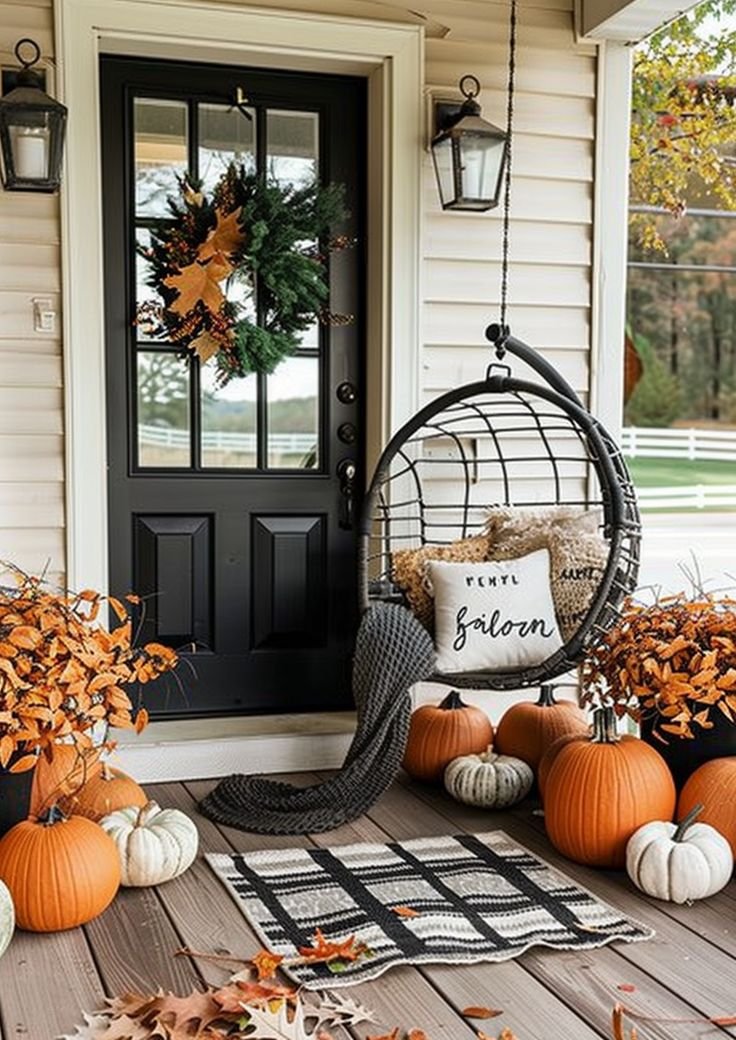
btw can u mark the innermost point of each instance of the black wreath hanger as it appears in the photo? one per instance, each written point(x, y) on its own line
point(503, 443)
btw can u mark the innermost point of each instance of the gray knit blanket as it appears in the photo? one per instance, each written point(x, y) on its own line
point(392, 652)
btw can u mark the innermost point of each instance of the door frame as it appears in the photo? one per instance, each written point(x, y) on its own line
point(388, 54)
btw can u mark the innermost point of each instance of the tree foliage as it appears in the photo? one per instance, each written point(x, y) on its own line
point(683, 128)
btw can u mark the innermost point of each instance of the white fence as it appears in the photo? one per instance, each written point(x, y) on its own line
point(225, 440)
point(697, 496)
point(651, 442)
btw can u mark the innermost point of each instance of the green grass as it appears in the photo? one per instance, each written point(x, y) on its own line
point(680, 472)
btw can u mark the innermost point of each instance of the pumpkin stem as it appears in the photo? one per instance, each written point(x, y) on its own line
point(604, 727)
point(52, 815)
point(546, 696)
point(452, 701)
point(145, 813)
point(686, 821)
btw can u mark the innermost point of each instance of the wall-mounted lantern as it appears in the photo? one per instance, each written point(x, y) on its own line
point(469, 153)
point(32, 128)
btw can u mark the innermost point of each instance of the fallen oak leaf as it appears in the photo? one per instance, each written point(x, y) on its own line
point(480, 1012)
point(626, 987)
point(393, 1035)
point(416, 1034)
point(266, 962)
point(324, 950)
point(239, 995)
point(405, 911)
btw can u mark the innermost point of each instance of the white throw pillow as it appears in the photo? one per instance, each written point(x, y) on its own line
point(495, 616)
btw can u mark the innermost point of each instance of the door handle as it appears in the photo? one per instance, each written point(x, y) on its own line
point(346, 475)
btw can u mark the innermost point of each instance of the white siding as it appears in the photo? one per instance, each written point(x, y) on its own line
point(31, 406)
point(552, 189)
point(551, 239)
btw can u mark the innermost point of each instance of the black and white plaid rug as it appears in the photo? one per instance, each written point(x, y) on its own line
point(477, 897)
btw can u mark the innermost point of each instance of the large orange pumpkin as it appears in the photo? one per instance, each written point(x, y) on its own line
point(440, 732)
point(714, 785)
point(105, 792)
point(67, 769)
point(526, 730)
point(61, 871)
point(599, 791)
point(545, 762)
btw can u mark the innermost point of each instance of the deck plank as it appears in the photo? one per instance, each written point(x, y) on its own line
point(134, 942)
point(46, 982)
point(675, 974)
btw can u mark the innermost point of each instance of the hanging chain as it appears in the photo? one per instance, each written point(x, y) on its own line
point(504, 331)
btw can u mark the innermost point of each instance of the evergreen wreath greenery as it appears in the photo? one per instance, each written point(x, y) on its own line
point(270, 241)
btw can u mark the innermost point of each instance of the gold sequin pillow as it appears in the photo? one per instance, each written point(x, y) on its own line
point(409, 570)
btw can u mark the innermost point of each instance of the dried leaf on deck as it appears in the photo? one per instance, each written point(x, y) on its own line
point(393, 1035)
point(239, 995)
point(480, 1012)
point(340, 1010)
point(324, 950)
point(266, 962)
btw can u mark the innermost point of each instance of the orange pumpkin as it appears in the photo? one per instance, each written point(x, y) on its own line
point(107, 791)
point(714, 785)
point(545, 763)
point(526, 730)
point(440, 732)
point(66, 770)
point(61, 871)
point(599, 791)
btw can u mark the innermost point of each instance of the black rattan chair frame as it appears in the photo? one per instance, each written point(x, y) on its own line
point(546, 411)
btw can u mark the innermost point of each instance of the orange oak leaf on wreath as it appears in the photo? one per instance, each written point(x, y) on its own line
point(266, 962)
point(226, 238)
point(199, 282)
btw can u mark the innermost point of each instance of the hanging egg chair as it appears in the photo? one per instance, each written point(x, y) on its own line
point(498, 445)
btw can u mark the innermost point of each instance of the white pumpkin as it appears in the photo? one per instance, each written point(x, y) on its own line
point(488, 780)
point(7, 918)
point(679, 862)
point(154, 844)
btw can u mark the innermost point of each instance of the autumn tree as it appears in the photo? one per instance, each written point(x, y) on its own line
point(683, 127)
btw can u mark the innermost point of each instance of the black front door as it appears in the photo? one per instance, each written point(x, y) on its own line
point(228, 506)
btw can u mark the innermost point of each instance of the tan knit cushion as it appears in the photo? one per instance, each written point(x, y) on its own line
point(408, 570)
point(578, 553)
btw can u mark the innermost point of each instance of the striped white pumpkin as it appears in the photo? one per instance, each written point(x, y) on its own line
point(154, 845)
point(489, 781)
point(7, 918)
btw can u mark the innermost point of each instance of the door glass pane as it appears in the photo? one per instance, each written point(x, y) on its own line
point(293, 146)
point(160, 153)
point(225, 136)
point(163, 410)
point(147, 300)
point(229, 437)
point(293, 414)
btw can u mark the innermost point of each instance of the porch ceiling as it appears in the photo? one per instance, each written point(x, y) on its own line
point(627, 22)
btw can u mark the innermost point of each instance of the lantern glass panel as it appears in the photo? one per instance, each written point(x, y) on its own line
point(481, 158)
point(442, 154)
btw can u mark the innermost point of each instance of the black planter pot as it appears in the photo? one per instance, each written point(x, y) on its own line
point(15, 797)
point(683, 756)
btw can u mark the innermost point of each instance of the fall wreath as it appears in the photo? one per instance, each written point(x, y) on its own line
point(243, 272)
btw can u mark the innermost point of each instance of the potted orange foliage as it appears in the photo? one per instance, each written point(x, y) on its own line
point(671, 666)
point(63, 675)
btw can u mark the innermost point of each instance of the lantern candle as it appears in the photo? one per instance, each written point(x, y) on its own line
point(30, 154)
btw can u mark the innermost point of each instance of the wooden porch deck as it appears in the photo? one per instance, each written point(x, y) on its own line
point(687, 970)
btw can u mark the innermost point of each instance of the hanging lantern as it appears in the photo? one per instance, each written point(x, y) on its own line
point(32, 127)
point(469, 155)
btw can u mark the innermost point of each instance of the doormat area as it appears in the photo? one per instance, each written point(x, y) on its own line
point(439, 900)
